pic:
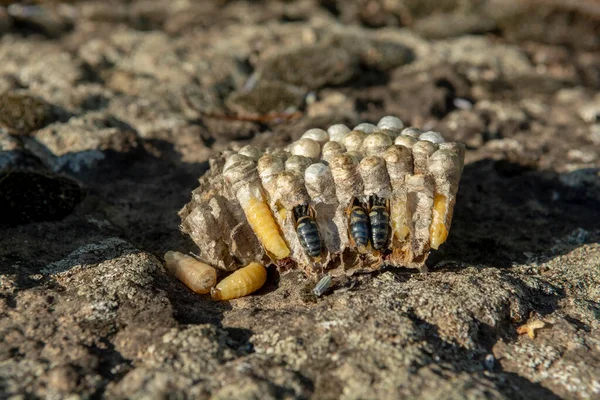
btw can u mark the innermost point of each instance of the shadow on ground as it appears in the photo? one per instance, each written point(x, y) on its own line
point(505, 213)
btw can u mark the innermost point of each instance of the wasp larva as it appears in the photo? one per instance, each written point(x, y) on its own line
point(261, 220)
point(196, 275)
point(444, 166)
point(242, 175)
point(241, 283)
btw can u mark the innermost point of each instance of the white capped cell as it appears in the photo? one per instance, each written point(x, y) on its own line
point(354, 140)
point(358, 155)
point(235, 160)
point(431, 136)
point(319, 183)
point(412, 132)
point(390, 123)
point(366, 128)
point(421, 151)
point(297, 164)
point(331, 149)
point(338, 132)
point(376, 143)
point(348, 183)
point(316, 134)
point(269, 166)
point(375, 176)
point(251, 152)
point(406, 141)
point(307, 148)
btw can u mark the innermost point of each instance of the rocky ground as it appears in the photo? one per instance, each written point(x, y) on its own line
point(110, 111)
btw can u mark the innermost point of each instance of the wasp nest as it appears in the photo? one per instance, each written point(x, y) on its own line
point(339, 200)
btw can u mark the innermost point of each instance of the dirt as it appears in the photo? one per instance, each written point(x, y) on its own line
point(110, 112)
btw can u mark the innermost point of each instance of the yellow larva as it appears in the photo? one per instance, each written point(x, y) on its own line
point(438, 232)
point(261, 220)
point(196, 275)
point(241, 283)
point(398, 219)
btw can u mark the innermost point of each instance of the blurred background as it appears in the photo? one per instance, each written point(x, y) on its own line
point(110, 111)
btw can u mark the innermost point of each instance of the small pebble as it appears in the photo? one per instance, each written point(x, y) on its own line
point(462, 104)
point(489, 362)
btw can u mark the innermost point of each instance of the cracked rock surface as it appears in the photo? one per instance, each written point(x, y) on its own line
point(109, 113)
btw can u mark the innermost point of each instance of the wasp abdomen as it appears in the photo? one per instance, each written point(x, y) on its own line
point(307, 231)
point(359, 226)
point(380, 225)
point(308, 234)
